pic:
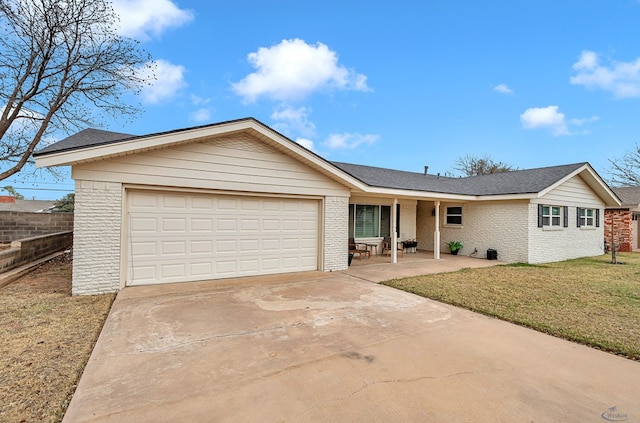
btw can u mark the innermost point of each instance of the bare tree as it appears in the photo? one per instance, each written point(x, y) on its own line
point(625, 172)
point(470, 165)
point(62, 65)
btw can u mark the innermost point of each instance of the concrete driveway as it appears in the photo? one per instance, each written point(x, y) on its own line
point(316, 347)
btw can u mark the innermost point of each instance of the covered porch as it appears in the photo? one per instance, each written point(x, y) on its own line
point(392, 228)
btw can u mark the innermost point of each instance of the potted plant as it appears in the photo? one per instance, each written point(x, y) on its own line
point(454, 246)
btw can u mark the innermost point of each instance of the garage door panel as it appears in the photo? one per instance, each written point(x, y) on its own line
point(201, 247)
point(181, 237)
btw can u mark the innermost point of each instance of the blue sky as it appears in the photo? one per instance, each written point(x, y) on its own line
point(397, 84)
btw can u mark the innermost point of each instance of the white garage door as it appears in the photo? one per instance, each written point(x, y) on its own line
point(176, 237)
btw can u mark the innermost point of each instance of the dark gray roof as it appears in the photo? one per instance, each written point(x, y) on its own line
point(85, 138)
point(94, 137)
point(629, 196)
point(515, 182)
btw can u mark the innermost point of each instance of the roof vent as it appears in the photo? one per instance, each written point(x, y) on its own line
point(426, 169)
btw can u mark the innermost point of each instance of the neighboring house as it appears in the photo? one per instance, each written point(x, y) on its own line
point(623, 220)
point(8, 203)
point(239, 199)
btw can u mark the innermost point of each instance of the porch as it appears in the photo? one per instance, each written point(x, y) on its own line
point(379, 268)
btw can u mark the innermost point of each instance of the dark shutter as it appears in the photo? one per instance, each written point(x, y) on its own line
point(540, 215)
point(565, 210)
point(398, 221)
point(597, 218)
point(578, 217)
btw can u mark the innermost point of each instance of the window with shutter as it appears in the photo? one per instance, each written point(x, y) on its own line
point(586, 218)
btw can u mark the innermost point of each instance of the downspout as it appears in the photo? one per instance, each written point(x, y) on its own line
point(436, 233)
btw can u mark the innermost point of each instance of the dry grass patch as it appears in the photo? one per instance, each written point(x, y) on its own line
point(586, 300)
point(46, 337)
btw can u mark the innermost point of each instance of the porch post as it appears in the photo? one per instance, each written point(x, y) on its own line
point(436, 233)
point(394, 236)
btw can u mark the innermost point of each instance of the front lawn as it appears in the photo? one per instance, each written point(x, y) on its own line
point(588, 300)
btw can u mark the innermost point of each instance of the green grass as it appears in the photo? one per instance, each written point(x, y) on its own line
point(589, 300)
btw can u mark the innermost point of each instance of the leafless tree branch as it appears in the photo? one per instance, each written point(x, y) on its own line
point(62, 67)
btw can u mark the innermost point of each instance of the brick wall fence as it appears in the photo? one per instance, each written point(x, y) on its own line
point(19, 225)
point(34, 248)
point(620, 221)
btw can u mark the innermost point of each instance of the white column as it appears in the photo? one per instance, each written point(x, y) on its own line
point(436, 233)
point(394, 237)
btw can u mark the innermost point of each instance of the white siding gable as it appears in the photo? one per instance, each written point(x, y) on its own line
point(574, 192)
point(237, 162)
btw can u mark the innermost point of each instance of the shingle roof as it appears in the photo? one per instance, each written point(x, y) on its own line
point(630, 196)
point(515, 182)
point(85, 138)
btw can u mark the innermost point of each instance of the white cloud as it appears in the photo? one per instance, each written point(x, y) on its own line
point(169, 79)
point(584, 121)
point(200, 115)
point(503, 88)
point(545, 117)
point(293, 69)
point(620, 78)
point(349, 141)
point(199, 101)
point(308, 144)
point(144, 19)
point(294, 120)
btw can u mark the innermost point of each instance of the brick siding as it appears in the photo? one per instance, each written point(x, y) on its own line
point(620, 221)
point(96, 237)
point(336, 233)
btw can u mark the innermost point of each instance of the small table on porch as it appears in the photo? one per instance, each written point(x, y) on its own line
point(370, 247)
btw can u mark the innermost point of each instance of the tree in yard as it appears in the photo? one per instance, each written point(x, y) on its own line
point(61, 65)
point(470, 165)
point(12, 191)
point(65, 204)
point(625, 172)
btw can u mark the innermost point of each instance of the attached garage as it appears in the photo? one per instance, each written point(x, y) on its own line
point(219, 201)
point(180, 237)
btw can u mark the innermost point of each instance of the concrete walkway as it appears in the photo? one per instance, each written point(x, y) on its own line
point(316, 347)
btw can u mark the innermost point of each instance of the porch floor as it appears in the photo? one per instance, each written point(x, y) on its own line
point(379, 268)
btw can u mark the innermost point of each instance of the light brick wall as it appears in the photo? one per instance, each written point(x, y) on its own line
point(408, 216)
point(425, 225)
point(96, 237)
point(559, 244)
point(336, 233)
point(501, 225)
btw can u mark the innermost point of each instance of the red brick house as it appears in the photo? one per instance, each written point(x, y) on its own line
point(623, 220)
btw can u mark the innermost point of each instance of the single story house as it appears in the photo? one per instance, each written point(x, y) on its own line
point(238, 199)
point(621, 222)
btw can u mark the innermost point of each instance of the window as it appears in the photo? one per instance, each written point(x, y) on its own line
point(587, 217)
point(551, 216)
point(369, 221)
point(454, 216)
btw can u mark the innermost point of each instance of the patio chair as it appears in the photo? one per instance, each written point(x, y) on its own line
point(386, 246)
point(359, 249)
